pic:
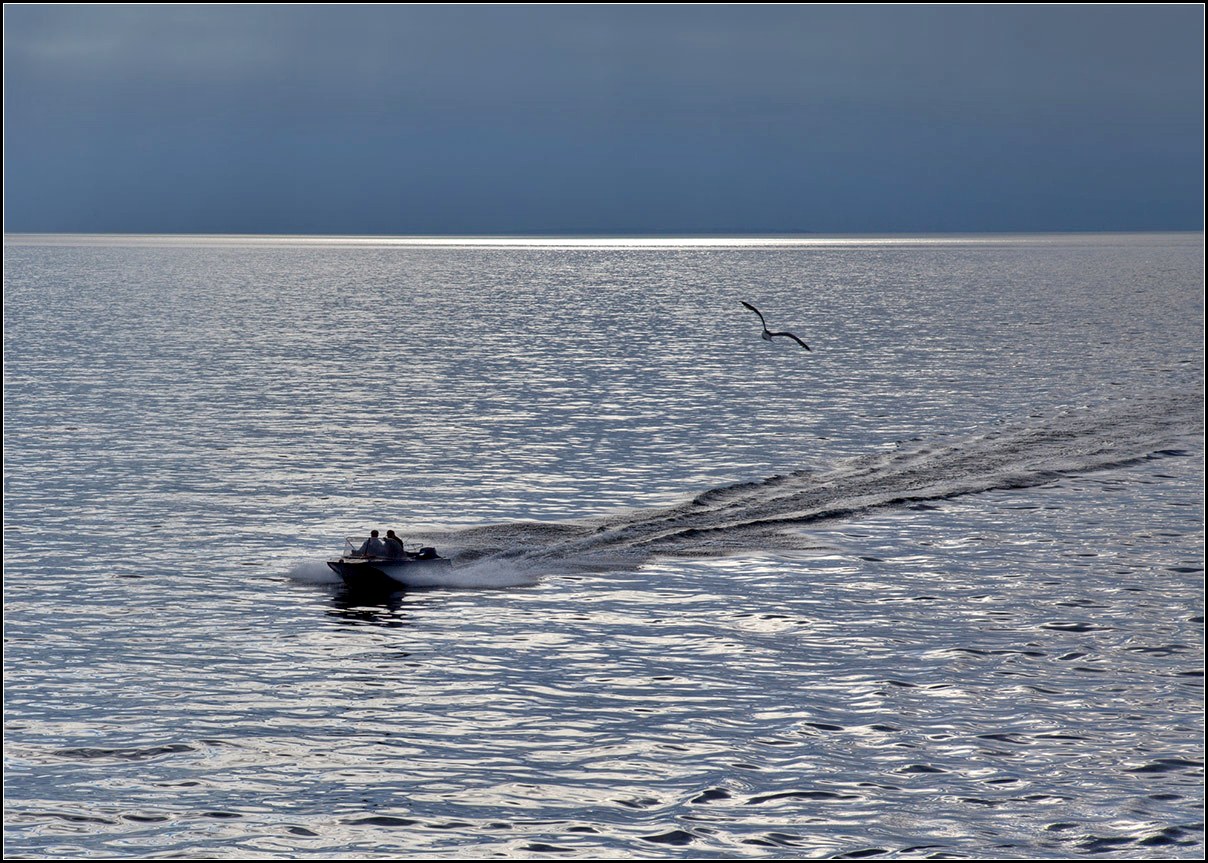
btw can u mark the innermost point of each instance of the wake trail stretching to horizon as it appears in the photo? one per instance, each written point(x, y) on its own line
point(772, 513)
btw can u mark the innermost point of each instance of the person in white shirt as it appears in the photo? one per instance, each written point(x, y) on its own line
point(372, 547)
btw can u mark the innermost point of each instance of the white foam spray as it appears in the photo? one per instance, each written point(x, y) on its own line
point(312, 572)
point(477, 575)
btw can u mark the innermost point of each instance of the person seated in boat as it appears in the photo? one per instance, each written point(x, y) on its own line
point(394, 546)
point(372, 547)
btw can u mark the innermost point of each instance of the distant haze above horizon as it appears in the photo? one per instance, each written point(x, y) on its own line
point(597, 119)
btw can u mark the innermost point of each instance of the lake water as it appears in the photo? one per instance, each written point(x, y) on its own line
point(933, 589)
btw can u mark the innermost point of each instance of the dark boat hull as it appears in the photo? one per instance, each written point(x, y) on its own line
point(381, 575)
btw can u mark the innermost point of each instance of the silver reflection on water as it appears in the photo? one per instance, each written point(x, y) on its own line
point(934, 589)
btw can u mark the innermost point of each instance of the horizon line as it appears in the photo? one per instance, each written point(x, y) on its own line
point(571, 240)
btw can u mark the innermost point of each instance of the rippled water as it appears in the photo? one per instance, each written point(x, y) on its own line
point(931, 590)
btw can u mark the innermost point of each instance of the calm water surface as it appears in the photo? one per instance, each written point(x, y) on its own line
point(931, 590)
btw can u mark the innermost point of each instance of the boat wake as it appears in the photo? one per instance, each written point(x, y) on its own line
point(773, 513)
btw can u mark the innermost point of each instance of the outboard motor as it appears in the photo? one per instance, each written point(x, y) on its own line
point(427, 553)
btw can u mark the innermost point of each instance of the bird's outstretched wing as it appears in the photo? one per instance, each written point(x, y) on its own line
point(794, 338)
point(756, 311)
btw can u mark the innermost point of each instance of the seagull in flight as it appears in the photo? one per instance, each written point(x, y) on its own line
point(767, 334)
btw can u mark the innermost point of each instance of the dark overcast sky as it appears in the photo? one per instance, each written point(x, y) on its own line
point(555, 119)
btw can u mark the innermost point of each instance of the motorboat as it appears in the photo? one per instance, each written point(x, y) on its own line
point(363, 571)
